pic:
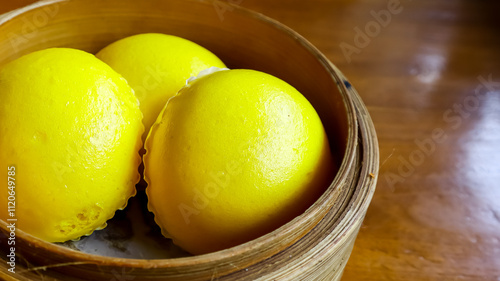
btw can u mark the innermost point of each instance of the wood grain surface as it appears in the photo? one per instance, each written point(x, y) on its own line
point(429, 73)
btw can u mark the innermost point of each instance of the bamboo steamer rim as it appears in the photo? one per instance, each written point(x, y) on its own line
point(266, 241)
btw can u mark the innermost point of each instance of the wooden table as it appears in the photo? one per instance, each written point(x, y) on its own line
point(429, 72)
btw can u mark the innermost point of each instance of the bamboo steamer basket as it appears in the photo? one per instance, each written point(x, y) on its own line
point(315, 245)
